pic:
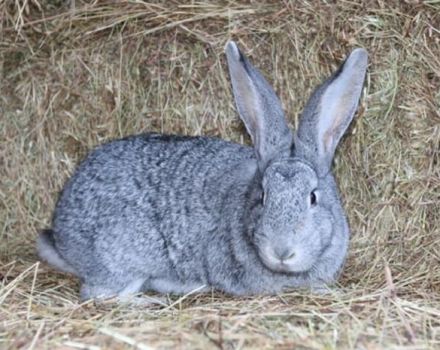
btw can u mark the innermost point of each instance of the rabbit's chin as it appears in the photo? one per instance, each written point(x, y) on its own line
point(297, 264)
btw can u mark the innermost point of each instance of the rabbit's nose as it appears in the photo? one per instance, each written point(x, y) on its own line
point(284, 253)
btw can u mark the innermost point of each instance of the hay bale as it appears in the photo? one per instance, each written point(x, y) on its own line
point(76, 74)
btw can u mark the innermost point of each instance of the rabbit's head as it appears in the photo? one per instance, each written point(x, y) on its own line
point(300, 212)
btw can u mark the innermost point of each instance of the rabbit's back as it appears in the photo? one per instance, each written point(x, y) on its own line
point(147, 199)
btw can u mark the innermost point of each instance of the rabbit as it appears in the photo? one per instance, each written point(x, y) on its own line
point(173, 214)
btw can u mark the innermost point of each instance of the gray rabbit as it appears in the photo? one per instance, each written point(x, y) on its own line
point(175, 213)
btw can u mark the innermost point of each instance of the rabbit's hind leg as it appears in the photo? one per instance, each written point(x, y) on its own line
point(106, 291)
point(97, 292)
point(127, 294)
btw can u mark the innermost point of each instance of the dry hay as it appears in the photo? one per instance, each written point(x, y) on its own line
point(75, 74)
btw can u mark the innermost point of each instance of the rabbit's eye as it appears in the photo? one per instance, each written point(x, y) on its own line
point(262, 198)
point(313, 198)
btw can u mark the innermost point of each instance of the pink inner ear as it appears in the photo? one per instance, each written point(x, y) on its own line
point(327, 140)
point(336, 106)
point(248, 101)
point(328, 137)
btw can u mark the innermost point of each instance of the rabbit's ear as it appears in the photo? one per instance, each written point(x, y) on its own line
point(331, 109)
point(259, 108)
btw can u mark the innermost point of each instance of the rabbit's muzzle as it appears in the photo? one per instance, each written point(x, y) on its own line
point(286, 259)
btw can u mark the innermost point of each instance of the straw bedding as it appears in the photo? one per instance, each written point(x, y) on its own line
point(75, 74)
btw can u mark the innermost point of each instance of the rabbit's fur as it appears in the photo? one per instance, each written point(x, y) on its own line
point(174, 213)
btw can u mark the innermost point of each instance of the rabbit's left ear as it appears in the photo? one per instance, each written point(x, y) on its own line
point(259, 108)
point(331, 108)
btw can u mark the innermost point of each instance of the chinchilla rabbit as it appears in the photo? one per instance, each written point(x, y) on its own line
point(175, 213)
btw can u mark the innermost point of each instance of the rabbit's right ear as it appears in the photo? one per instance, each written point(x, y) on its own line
point(330, 110)
point(259, 108)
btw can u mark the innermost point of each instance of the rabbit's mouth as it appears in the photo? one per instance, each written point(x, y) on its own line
point(293, 262)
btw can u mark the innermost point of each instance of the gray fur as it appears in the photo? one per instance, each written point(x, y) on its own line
point(175, 213)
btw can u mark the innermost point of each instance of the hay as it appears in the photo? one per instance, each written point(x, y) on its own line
point(73, 75)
